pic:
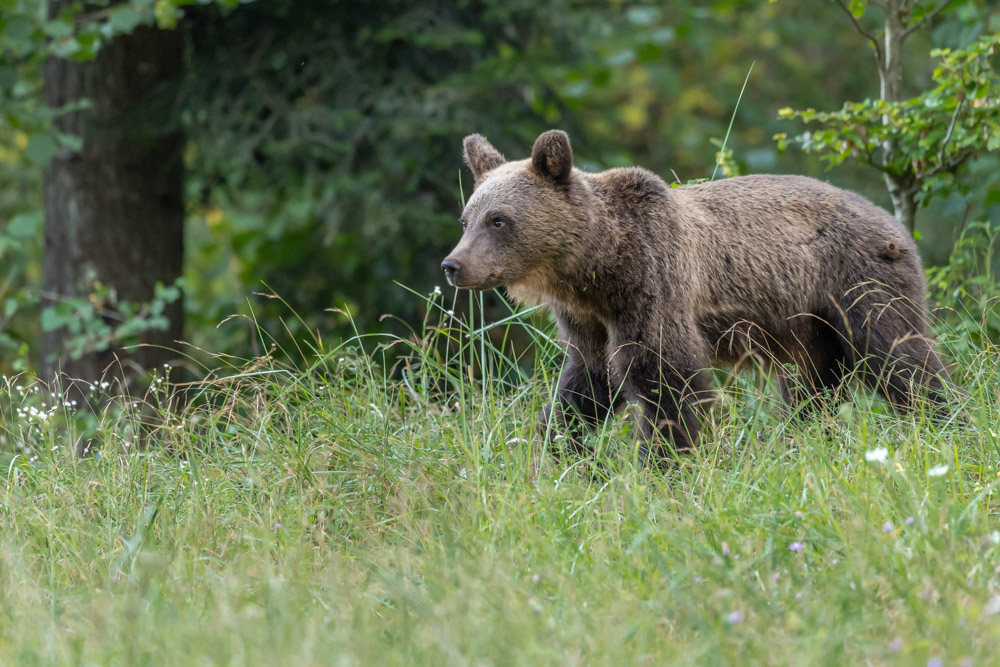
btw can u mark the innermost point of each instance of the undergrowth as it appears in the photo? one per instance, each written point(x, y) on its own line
point(393, 500)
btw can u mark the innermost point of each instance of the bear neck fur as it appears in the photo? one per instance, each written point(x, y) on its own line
point(598, 271)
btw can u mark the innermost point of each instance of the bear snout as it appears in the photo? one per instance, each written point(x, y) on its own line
point(452, 267)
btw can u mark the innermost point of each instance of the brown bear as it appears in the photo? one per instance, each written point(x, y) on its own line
point(651, 285)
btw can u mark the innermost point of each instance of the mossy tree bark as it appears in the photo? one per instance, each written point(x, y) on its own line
point(114, 211)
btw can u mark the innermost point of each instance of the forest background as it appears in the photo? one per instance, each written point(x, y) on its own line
point(311, 150)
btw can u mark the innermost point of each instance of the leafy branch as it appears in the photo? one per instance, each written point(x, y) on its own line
point(930, 135)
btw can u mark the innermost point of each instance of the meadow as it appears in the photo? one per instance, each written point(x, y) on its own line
point(391, 500)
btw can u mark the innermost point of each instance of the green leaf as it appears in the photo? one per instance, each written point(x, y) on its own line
point(85, 46)
point(166, 14)
point(858, 8)
point(57, 29)
point(66, 48)
point(25, 225)
point(10, 307)
point(71, 141)
point(649, 52)
point(51, 319)
point(124, 19)
point(642, 15)
point(18, 29)
point(41, 149)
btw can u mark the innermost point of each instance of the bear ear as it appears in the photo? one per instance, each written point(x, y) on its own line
point(552, 157)
point(480, 156)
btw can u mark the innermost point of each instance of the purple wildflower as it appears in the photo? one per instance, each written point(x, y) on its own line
point(935, 662)
point(887, 527)
point(798, 596)
point(896, 645)
point(277, 526)
point(735, 617)
point(798, 514)
point(725, 549)
point(909, 521)
point(777, 577)
point(796, 546)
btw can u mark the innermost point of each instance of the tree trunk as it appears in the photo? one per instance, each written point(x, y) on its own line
point(901, 192)
point(114, 211)
point(904, 200)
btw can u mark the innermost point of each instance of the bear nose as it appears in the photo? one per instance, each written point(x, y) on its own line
point(451, 267)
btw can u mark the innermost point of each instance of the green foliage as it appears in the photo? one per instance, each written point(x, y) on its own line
point(20, 255)
point(967, 288)
point(930, 135)
point(100, 319)
point(28, 35)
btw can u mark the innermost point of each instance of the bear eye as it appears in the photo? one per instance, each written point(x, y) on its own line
point(464, 224)
point(497, 222)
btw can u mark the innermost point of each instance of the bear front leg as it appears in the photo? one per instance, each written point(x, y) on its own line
point(584, 397)
point(585, 389)
point(582, 400)
point(667, 384)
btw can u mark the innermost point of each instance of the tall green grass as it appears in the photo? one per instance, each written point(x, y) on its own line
point(393, 501)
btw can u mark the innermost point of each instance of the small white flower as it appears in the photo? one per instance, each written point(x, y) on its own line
point(879, 455)
point(437, 289)
point(451, 313)
point(938, 471)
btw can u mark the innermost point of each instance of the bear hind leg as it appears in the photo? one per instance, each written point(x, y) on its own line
point(886, 341)
point(822, 365)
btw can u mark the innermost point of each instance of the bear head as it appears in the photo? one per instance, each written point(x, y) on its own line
point(524, 220)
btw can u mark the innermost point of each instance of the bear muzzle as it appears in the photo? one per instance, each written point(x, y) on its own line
point(463, 276)
point(452, 267)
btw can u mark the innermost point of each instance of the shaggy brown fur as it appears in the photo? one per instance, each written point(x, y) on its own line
point(652, 285)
